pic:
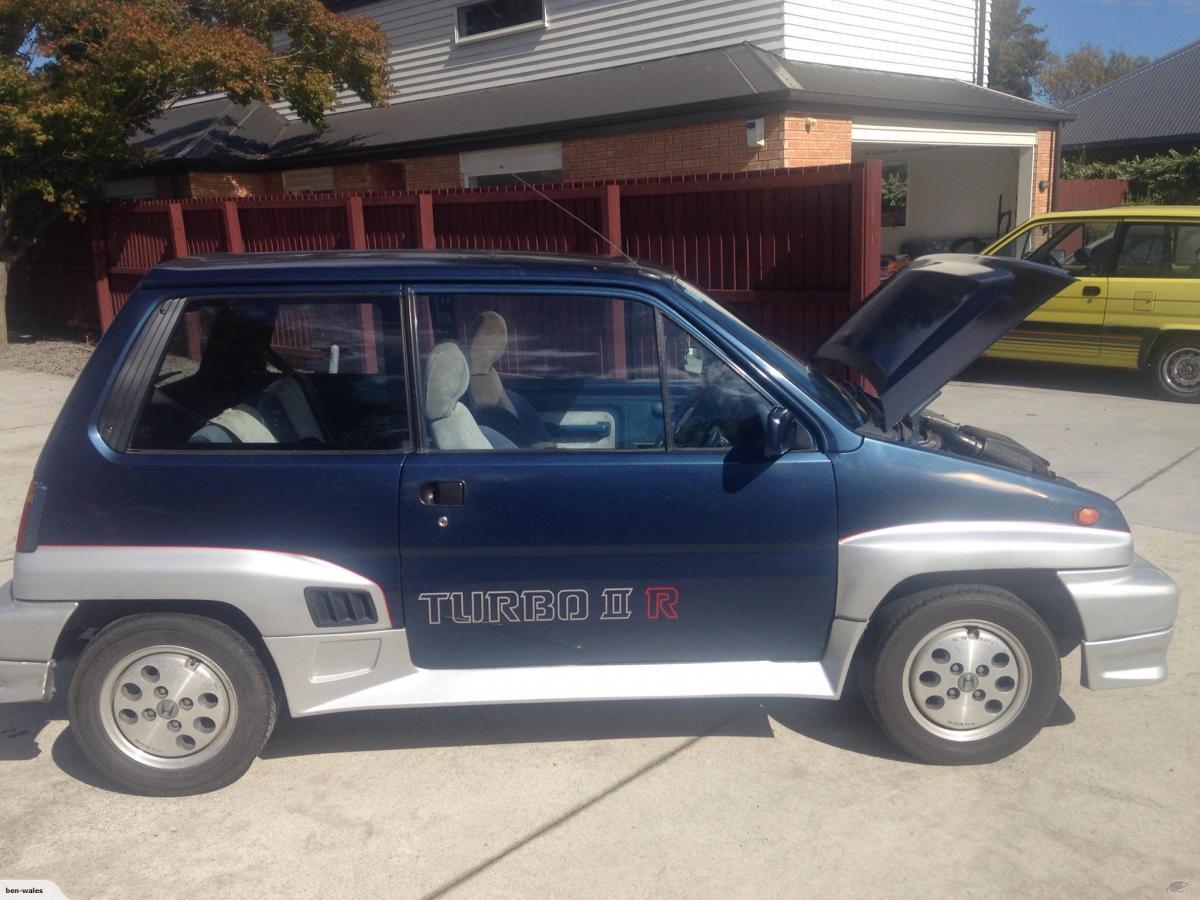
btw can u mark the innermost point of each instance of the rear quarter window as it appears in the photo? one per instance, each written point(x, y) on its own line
point(269, 374)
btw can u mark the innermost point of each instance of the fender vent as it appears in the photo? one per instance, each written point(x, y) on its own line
point(334, 608)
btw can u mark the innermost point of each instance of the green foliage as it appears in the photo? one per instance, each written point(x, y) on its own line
point(1173, 178)
point(1061, 80)
point(1016, 50)
point(895, 187)
point(80, 78)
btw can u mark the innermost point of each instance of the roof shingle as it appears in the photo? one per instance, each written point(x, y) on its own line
point(1157, 103)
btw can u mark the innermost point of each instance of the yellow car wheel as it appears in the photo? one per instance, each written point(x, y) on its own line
point(1176, 369)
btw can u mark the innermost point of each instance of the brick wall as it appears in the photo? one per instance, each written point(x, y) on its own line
point(707, 147)
point(225, 184)
point(1043, 170)
point(816, 141)
point(423, 173)
point(702, 148)
point(368, 176)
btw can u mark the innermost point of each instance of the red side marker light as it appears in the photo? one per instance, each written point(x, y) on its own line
point(1087, 515)
point(25, 510)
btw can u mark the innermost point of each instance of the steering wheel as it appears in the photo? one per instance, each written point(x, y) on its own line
point(310, 394)
point(705, 420)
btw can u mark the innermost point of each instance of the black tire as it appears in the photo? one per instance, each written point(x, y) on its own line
point(1173, 366)
point(900, 631)
point(237, 744)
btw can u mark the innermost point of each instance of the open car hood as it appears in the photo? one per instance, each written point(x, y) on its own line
point(933, 319)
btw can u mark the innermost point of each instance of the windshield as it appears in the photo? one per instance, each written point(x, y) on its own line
point(1081, 247)
point(835, 395)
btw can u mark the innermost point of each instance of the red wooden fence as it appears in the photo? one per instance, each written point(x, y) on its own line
point(791, 251)
point(1089, 193)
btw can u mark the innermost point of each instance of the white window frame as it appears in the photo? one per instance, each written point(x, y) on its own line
point(535, 25)
point(308, 181)
point(506, 160)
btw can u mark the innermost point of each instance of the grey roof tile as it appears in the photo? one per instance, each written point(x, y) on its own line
point(1159, 102)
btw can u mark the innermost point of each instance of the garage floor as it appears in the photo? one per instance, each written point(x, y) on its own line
point(672, 799)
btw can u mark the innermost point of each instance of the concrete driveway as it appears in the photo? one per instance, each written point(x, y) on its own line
point(670, 799)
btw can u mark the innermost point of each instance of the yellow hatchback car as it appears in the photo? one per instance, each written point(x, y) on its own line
point(1135, 303)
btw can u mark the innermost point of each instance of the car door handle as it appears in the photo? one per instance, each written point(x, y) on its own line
point(1091, 290)
point(442, 493)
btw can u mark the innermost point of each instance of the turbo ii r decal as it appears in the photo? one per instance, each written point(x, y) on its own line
point(540, 605)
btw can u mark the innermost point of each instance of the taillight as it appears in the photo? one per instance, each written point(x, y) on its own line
point(31, 514)
point(1087, 515)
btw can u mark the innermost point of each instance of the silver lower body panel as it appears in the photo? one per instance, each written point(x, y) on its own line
point(22, 681)
point(373, 670)
point(1128, 618)
point(1126, 662)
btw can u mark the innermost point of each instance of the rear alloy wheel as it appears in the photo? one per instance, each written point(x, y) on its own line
point(171, 704)
point(960, 675)
point(1176, 369)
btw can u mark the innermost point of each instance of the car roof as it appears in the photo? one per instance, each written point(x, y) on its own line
point(372, 265)
point(1122, 212)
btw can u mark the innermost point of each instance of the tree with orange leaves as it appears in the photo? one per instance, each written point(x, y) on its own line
point(80, 78)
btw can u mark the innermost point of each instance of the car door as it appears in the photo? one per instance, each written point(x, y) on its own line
point(1155, 286)
point(1069, 326)
point(525, 547)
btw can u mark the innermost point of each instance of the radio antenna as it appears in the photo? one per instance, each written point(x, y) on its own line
point(561, 208)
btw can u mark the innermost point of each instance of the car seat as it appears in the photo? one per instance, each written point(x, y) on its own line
point(278, 414)
point(451, 424)
point(494, 405)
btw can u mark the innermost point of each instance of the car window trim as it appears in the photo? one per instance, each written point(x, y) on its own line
point(336, 294)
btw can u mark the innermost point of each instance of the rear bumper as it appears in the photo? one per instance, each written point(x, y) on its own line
point(1128, 618)
point(21, 681)
point(28, 634)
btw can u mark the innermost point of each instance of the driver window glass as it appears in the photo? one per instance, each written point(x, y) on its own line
point(277, 374)
point(1082, 248)
point(712, 406)
point(538, 372)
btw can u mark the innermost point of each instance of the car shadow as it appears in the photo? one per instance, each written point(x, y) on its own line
point(466, 726)
point(1060, 377)
point(845, 724)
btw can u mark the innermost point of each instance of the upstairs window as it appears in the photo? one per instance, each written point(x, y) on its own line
point(493, 17)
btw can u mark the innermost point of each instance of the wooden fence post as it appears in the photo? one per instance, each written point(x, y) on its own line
point(354, 218)
point(428, 238)
point(178, 232)
point(610, 219)
point(233, 227)
point(104, 301)
point(866, 192)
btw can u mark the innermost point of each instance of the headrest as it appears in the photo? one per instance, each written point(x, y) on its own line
point(489, 340)
point(446, 378)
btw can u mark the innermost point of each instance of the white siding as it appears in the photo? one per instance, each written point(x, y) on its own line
point(582, 35)
point(919, 37)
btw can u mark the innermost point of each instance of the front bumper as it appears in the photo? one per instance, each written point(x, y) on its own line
point(28, 634)
point(1128, 618)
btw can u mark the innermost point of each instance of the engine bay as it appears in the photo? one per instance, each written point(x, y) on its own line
point(935, 432)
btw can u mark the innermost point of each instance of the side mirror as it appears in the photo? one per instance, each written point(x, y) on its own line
point(783, 433)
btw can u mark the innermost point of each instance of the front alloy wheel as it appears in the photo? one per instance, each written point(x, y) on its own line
point(963, 674)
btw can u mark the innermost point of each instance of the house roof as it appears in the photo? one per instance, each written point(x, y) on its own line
point(1153, 104)
point(740, 77)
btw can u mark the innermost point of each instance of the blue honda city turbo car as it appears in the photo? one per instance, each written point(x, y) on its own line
point(361, 481)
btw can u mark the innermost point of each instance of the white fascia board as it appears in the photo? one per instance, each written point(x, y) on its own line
point(944, 134)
